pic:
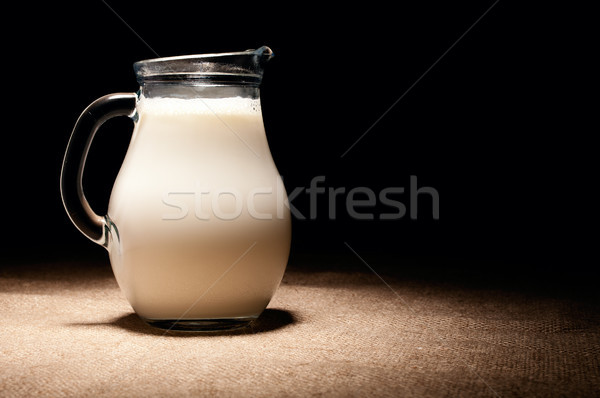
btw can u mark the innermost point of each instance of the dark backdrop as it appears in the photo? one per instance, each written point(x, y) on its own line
point(493, 125)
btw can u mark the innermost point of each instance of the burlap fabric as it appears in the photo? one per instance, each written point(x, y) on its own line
point(67, 330)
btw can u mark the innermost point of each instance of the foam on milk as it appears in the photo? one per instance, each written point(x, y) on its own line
point(195, 268)
point(199, 106)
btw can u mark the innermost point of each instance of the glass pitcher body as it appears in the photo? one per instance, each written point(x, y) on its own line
point(197, 228)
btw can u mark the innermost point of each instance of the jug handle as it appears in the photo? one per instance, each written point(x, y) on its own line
point(81, 214)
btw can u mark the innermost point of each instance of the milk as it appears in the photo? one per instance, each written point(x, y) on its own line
point(199, 230)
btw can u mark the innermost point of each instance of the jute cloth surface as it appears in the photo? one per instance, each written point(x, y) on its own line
point(67, 330)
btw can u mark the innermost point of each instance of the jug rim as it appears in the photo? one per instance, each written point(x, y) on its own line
point(237, 67)
point(264, 51)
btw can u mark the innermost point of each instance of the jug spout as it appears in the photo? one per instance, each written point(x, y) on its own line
point(239, 68)
point(263, 54)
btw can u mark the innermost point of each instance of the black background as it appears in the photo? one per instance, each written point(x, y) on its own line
point(495, 126)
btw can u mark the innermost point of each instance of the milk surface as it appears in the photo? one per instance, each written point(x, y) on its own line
point(200, 227)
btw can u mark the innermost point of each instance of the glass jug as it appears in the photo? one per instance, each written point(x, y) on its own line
point(198, 228)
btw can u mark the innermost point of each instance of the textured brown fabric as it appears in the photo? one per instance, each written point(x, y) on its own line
point(67, 330)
